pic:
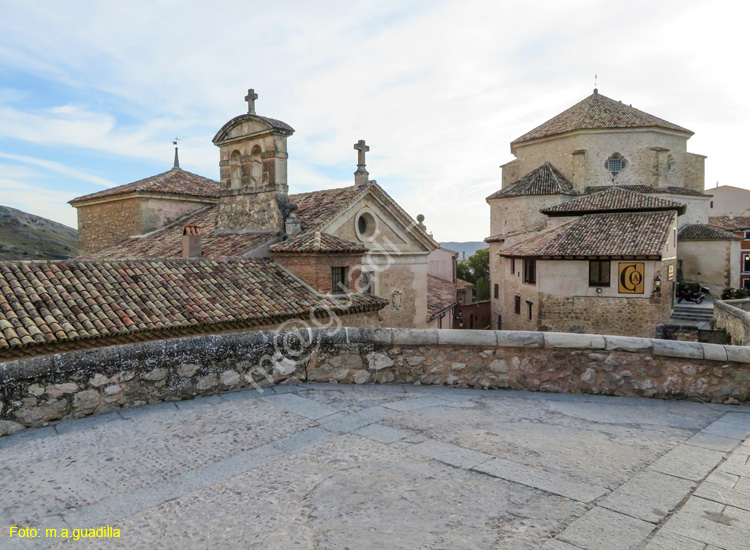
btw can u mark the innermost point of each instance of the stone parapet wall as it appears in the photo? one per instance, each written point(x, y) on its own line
point(40, 390)
point(732, 316)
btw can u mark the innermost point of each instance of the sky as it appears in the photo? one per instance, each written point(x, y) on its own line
point(92, 93)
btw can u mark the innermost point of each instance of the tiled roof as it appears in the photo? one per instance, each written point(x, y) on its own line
point(672, 189)
point(545, 180)
point(440, 295)
point(460, 283)
point(167, 242)
point(704, 232)
point(317, 207)
point(735, 223)
point(598, 112)
point(174, 182)
point(614, 234)
point(54, 303)
point(316, 242)
point(613, 199)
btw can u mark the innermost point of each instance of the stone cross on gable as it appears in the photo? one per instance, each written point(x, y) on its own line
point(360, 176)
point(250, 98)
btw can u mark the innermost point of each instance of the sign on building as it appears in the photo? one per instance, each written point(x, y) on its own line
point(631, 278)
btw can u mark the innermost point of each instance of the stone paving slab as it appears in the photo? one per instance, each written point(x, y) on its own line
point(301, 406)
point(451, 454)
point(603, 529)
point(670, 541)
point(688, 462)
point(384, 434)
point(723, 495)
point(552, 483)
point(399, 467)
point(648, 496)
point(722, 526)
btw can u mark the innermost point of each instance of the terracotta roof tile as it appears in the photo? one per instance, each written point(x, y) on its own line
point(614, 234)
point(613, 199)
point(440, 295)
point(672, 189)
point(174, 182)
point(460, 283)
point(727, 223)
point(545, 180)
point(167, 242)
point(316, 242)
point(705, 232)
point(598, 112)
point(317, 207)
point(53, 302)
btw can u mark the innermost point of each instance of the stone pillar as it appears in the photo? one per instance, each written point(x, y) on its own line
point(579, 169)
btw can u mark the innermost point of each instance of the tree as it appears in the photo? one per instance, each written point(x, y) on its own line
point(477, 271)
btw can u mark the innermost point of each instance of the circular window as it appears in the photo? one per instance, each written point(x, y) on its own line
point(365, 225)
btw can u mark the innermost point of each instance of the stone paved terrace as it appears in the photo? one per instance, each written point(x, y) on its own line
point(388, 466)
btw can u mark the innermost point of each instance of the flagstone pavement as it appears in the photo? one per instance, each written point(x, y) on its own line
point(320, 466)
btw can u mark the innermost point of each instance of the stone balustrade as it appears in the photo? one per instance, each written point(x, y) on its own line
point(40, 390)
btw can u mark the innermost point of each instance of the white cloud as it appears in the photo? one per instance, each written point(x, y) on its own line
point(438, 89)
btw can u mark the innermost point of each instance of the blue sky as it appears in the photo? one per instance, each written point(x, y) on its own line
point(92, 93)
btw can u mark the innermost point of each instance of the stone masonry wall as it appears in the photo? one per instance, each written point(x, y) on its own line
point(732, 316)
point(104, 224)
point(34, 392)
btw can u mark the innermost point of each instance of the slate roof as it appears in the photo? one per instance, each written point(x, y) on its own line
point(735, 223)
point(317, 242)
point(545, 180)
point(598, 112)
point(613, 199)
point(612, 234)
point(167, 241)
point(174, 182)
point(704, 232)
point(441, 295)
point(647, 189)
point(53, 303)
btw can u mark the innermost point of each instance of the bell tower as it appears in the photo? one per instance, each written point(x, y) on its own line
point(254, 191)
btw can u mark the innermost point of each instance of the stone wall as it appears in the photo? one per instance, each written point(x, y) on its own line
point(315, 269)
point(733, 316)
point(40, 390)
point(104, 224)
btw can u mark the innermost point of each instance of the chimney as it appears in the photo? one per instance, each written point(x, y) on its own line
point(463, 258)
point(191, 241)
point(292, 225)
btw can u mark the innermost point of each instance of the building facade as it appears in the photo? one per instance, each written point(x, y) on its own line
point(584, 228)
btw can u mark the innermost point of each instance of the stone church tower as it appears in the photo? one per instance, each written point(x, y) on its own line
point(254, 190)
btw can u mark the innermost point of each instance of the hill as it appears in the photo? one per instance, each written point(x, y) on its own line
point(468, 247)
point(28, 237)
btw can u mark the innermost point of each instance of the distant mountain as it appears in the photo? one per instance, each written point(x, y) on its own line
point(27, 237)
point(468, 247)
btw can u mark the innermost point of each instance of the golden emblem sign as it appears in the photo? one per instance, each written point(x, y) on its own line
point(670, 273)
point(631, 278)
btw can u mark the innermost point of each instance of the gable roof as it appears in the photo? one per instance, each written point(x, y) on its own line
point(613, 199)
point(545, 180)
point(460, 283)
point(174, 182)
point(612, 234)
point(441, 295)
point(317, 242)
point(316, 208)
point(167, 241)
point(733, 223)
point(59, 303)
point(598, 112)
point(704, 232)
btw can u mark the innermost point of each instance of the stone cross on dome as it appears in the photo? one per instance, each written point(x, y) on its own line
point(250, 98)
point(360, 176)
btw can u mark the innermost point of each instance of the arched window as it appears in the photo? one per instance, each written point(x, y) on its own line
point(235, 170)
point(256, 167)
point(615, 164)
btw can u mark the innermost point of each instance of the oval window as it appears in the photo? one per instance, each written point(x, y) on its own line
point(362, 225)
